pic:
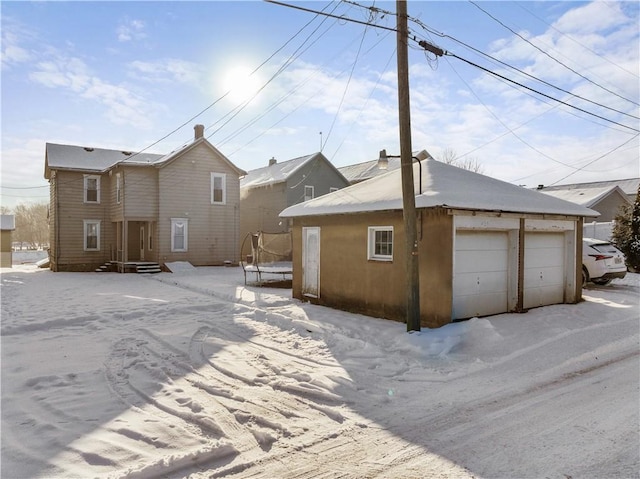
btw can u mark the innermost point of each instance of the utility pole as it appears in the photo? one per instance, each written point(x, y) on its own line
point(406, 165)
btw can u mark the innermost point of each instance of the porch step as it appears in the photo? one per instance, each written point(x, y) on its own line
point(109, 267)
point(147, 268)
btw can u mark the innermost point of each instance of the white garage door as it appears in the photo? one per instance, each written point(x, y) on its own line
point(480, 276)
point(544, 269)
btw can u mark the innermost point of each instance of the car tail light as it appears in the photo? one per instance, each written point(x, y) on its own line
point(598, 257)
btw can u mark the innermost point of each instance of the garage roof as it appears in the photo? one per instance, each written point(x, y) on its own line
point(442, 185)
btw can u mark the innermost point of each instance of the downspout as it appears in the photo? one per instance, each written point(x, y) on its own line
point(521, 239)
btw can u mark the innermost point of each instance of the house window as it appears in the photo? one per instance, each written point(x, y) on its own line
point(332, 189)
point(91, 235)
point(308, 192)
point(179, 234)
point(218, 188)
point(118, 188)
point(380, 245)
point(150, 242)
point(91, 189)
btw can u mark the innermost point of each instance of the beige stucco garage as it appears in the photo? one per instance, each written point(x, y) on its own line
point(485, 247)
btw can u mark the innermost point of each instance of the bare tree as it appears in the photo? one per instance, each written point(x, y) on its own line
point(450, 157)
point(32, 225)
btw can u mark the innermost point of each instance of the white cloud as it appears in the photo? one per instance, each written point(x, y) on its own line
point(130, 30)
point(123, 105)
point(13, 51)
point(167, 70)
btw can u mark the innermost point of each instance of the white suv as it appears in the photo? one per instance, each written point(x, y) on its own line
point(601, 262)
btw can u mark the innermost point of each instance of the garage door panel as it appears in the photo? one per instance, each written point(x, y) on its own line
point(474, 305)
point(488, 282)
point(480, 281)
point(473, 261)
point(545, 270)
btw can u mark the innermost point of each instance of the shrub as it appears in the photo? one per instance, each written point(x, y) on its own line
point(626, 233)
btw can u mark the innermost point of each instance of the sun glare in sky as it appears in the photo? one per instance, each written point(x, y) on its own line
point(240, 84)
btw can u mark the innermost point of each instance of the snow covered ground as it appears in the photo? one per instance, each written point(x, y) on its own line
point(192, 374)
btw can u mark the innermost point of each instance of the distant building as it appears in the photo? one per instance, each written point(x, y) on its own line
point(7, 226)
point(605, 197)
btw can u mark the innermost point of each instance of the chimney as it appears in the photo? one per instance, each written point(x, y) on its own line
point(272, 161)
point(199, 131)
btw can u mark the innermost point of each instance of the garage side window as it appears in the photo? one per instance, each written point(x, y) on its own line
point(380, 243)
point(179, 234)
point(91, 235)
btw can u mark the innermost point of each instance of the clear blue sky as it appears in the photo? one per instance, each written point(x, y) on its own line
point(125, 75)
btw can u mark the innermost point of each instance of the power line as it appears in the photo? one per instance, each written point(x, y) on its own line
point(540, 93)
point(598, 158)
point(635, 75)
point(549, 56)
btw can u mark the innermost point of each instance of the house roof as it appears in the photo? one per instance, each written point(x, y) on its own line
point(82, 158)
point(7, 222)
point(586, 196)
point(442, 185)
point(370, 169)
point(99, 160)
point(281, 171)
point(628, 185)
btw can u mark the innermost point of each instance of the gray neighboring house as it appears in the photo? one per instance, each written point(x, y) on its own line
point(605, 197)
point(125, 208)
point(265, 192)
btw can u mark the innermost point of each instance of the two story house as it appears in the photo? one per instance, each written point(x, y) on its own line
point(131, 208)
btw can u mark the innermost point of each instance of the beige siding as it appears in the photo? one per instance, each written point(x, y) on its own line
point(609, 206)
point(5, 249)
point(140, 194)
point(259, 209)
point(185, 192)
point(68, 240)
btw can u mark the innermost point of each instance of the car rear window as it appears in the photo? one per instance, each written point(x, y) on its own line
point(604, 247)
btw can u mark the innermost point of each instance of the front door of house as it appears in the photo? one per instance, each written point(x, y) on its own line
point(311, 262)
point(142, 243)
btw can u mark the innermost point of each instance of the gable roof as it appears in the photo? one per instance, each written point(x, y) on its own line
point(83, 158)
point(166, 159)
point(442, 185)
point(281, 171)
point(586, 196)
point(629, 186)
point(100, 160)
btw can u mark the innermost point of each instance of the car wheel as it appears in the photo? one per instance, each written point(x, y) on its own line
point(601, 282)
point(585, 276)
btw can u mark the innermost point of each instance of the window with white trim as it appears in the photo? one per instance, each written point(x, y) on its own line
point(118, 188)
point(380, 243)
point(308, 192)
point(218, 188)
point(91, 235)
point(179, 234)
point(332, 189)
point(150, 242)
point(91, 188)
